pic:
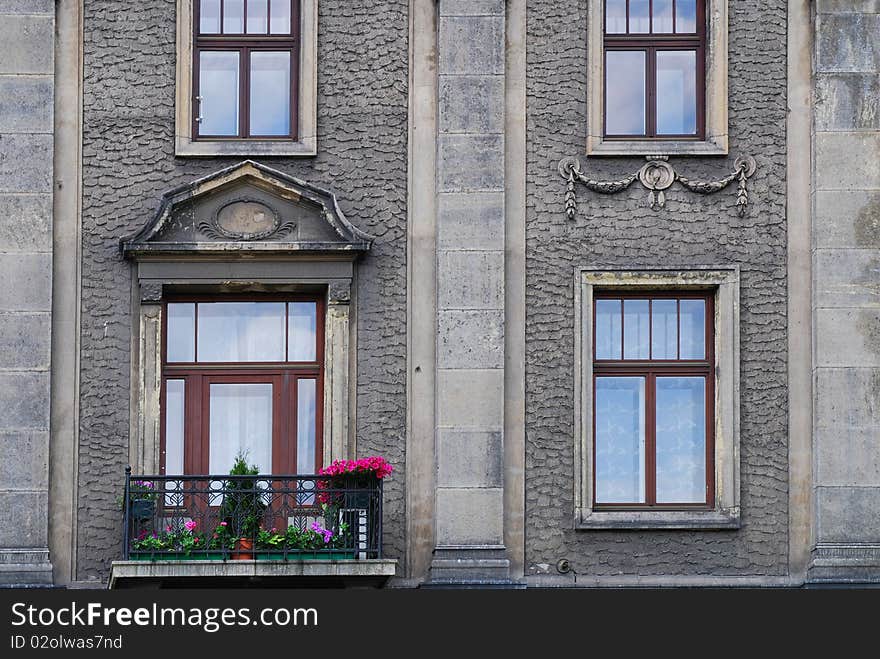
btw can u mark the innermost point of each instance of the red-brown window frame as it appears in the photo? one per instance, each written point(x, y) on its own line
point(650, 369)
point(284, 377)
point(650, 43)
point(244, 44)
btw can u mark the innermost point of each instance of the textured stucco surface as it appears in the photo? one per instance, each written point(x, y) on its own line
point(128, 162)
point(621, 230)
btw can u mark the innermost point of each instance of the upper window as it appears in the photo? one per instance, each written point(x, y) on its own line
point(654, 63)
point(245, 64)
point(242, 376)
point(653, 373)
point(657, 80)
point(246, 77)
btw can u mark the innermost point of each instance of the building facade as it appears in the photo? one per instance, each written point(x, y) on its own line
point(599, 279)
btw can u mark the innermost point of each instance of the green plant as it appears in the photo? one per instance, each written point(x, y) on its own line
point(270, 539)
point(315, 537)
point(243, 505)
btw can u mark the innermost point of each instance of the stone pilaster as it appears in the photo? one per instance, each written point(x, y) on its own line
point(846, 296)
point(26, 139)
point(469, 437)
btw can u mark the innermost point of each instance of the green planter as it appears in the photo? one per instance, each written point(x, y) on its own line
point(299, 555)
point(178, 556)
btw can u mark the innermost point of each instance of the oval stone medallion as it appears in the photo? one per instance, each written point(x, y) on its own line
point(247, 220)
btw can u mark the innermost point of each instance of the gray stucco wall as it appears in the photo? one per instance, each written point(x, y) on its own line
point(621, 230)
point(128, 161)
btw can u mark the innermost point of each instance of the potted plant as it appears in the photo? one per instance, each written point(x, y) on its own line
point(356, 479)
point(243, 507)
point(316, 542)
point(141, 500)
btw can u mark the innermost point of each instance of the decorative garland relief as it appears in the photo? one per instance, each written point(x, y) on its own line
point(657, 176)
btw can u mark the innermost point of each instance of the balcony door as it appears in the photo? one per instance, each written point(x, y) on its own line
point(242, 376)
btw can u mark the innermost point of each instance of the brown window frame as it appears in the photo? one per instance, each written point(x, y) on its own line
point(650, 369)
point(244, 44)
point(284, 376)
point(651, 43)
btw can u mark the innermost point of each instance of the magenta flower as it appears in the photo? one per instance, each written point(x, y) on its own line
point(190, 525)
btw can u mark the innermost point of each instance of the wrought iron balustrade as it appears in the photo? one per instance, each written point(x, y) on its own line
point(264, 517)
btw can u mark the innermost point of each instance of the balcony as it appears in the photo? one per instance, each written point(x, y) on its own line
point(266, 530)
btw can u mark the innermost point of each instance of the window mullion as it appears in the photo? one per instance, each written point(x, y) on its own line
point(244, 92)
point(650, 439)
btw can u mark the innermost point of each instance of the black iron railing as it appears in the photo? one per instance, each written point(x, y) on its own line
point(266, 517)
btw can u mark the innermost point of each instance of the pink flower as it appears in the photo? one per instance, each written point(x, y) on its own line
point(190, 525)
point(222, 523)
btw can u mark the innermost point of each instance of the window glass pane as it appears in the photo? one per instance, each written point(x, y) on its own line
point(676, 92)
point(693, 329)
point(664, 329)
point(608, 329)
point(615, 16)
point(686, 16)
point(279, 23)
point(620, 440)
point(175, 406)
point(270, 93)
point(233, 16)
point(218, 89)
point(681, 440)
point(240, 420)
point(181, 332)
point(625, 92)
point(662, 17)
point(635, 329)
point(302, 326)
point(257, 16)
point(305, 426)
point(209, 17)
point(639, 16)
point(241, 332)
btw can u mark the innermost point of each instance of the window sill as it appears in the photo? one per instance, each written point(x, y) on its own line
point(714, 146)
point(665, 520)
point(244, 148)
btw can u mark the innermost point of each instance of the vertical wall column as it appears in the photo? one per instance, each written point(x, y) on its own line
point(469, 533)
point(846, 300)
point(27, 32)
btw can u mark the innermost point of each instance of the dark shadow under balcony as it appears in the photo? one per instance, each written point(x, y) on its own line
point(263, 530)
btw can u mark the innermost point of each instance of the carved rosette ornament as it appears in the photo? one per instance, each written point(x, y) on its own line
point(657, 176)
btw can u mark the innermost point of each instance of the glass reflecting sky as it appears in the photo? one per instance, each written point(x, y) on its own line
point(270, 93)
point(218, 88)
point(676, 92)
point(625, 92)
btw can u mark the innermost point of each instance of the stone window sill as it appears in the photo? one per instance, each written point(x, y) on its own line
point(244, 148)
point(714, 146)
point(660, 520)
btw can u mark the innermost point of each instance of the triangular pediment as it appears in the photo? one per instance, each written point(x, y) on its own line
point(247, 208)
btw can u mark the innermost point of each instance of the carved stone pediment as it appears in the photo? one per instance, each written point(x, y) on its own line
point(246, 208)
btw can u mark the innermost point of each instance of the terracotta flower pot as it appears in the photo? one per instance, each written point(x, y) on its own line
point(244, 549)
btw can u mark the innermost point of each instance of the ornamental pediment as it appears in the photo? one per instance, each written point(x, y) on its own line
point(246, 208)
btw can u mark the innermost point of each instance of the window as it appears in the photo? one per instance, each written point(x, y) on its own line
point(657, 391)
point(657, 77)
point(653, 375)
point(654, 62)
point(246, 77)
point(242, 375)
point(245, 61)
